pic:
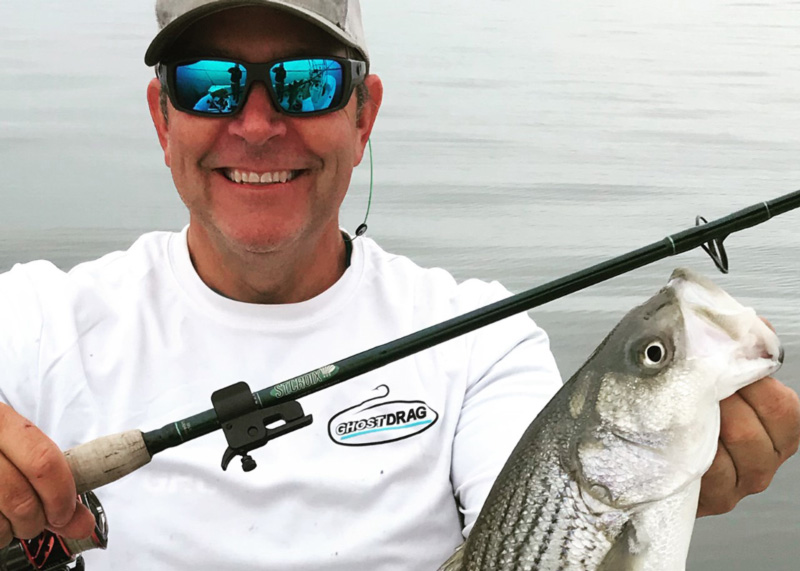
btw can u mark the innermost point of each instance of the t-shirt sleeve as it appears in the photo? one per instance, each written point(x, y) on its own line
point(20, 337)
point(512, 374)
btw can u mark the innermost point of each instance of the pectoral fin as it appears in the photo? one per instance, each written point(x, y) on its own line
point(456, 561)
point(627, 553)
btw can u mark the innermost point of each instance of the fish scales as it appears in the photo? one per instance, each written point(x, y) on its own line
point(543, 521)
point(607, 476)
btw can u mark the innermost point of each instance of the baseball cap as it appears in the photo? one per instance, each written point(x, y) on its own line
point(340, 18)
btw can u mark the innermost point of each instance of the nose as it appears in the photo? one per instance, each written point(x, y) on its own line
point(258, 121)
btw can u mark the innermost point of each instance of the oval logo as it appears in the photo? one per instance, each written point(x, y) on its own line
point(374, 422)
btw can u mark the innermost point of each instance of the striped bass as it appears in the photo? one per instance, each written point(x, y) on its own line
point(607, 477)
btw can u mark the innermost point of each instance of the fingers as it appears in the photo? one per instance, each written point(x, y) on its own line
point(79, 527)
point(716, 485)
point(778, 408)
point(19, 503)
point(36, 486)
point(748, 444)
point(759, 430)
point(33, 457)
point(6, 532)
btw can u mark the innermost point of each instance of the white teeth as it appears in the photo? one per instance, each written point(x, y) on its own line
point(236, 175)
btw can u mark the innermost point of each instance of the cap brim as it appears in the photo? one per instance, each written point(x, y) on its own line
point(165, 38)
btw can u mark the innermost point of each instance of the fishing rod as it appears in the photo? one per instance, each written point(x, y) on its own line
point(249, 419)
point(244, 415)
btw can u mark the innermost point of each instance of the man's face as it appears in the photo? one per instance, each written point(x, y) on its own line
point(312, 158)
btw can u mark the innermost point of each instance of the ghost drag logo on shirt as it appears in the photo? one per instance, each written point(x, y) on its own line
point(377, 421)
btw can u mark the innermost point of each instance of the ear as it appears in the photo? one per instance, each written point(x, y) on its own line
point(369, 112)
point(158, 115)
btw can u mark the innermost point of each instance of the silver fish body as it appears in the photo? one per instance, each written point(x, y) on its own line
point(607, 477)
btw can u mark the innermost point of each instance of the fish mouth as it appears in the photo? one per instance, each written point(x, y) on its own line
point(720, 328)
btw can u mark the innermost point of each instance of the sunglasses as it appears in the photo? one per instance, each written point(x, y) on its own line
point(300, 87)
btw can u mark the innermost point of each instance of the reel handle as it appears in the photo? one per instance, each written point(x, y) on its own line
point(107, 459)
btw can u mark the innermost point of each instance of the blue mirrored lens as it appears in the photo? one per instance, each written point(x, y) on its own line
point(210, 86)
point(307, 85)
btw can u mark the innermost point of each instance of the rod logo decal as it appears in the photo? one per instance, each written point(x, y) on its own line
point(304, 381)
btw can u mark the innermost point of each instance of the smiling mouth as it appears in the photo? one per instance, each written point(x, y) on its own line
point(261, 178)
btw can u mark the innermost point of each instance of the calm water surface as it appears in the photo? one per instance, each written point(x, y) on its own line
point(518, 141)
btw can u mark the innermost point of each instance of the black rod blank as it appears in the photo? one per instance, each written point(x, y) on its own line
point(345, 369)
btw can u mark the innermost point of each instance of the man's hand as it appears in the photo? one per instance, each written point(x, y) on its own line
point(37, 490)
point(760, 429)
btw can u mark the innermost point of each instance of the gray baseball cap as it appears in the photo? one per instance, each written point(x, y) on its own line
point(340, 18)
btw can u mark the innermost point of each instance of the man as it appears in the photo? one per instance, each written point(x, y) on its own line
point(236, 78)
point(262, 286)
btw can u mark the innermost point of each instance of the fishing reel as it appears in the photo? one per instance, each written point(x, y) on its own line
point(51, 552)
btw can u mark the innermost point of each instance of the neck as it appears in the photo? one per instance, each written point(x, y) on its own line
point(273, 276)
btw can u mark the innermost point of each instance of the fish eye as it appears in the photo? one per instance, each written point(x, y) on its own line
point(655, 354)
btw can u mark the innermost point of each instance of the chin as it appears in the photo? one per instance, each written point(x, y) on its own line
point(259, 240)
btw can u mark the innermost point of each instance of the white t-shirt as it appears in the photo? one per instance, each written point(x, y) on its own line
point(394, 468)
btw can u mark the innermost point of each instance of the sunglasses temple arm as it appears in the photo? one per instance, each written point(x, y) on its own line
point(358, 71)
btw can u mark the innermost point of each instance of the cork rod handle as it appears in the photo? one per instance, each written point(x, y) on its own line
point(107, 459)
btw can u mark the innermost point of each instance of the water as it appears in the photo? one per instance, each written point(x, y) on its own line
point(518, 141)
